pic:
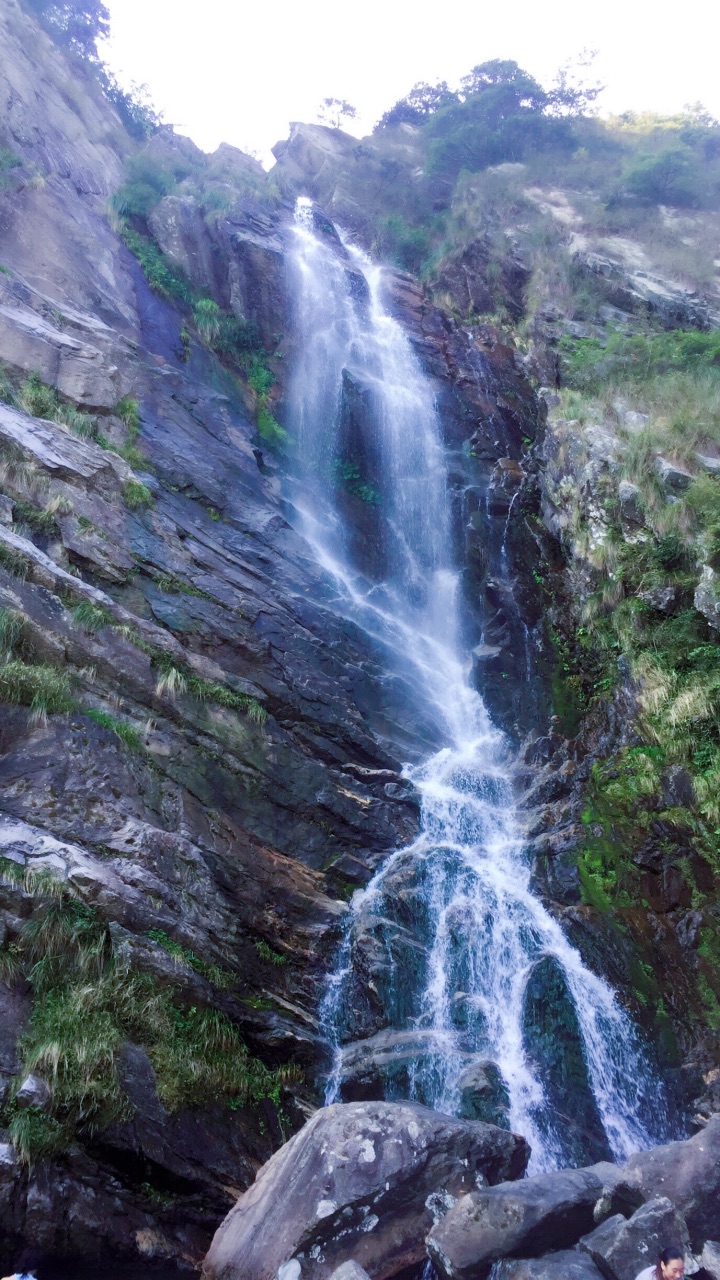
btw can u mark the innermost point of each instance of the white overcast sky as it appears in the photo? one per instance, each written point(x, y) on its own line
point(240, 70)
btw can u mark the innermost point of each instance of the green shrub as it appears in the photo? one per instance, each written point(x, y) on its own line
point(35, 518)
point(36, 398)
point(201, 1054)
point(161, 275)
point(208, 319)
point(128, 411)
point(137, 495)
point(8, 160)
point(269, 428)
point(672, 176)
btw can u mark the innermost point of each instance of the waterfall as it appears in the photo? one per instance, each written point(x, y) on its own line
point(459, 934)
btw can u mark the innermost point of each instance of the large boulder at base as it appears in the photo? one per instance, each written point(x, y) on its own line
point(525, 1218)
point(621, 1247)
point(350, 1271)
point(688, 1173)
point(567, 1264)
point(362, 1182)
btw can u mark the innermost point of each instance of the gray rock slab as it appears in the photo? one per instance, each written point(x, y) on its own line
point(354, 1185)
point(707, 597)
point(566, 1264)
point(621, 1247)
point(525, 1218)
point(688, 1174)
point(710, 1259)
point(674, 478)
point(350, 1271)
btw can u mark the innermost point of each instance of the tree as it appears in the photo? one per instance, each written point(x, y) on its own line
point(76, 24)
point(672, 176)
point(332, 110)
point(422, 100)
point(570, 95)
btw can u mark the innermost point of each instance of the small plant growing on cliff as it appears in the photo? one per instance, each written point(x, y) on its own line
point(137, 495)
point(126, 732)
point(12, 631)
point(91, 617)
point(36, 398)
point(219, 977)
point(14, 562)
point(208, 317)
point(172, 683)
point(42, 688)
point(128, 411)
point(266, 953)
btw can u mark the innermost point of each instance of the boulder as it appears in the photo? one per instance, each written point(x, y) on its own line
point(621, 1247)
point(688, 1174)
point(710, 1259)
point(539, 1214)
point(707, 597)
point(567, 1264)
point(349, 1271)
point(631, 509)
point(354, 1185)
point(33, 1092)
point(674, 479)
point(708, 463)
point(483, 1093)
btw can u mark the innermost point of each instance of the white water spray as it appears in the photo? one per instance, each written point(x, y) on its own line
point(483, 931)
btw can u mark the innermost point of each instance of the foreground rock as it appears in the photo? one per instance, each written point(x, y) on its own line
point(567, 1264)
point(358, 1184)
point(688, 1174)
point(543, 1213)
point(622, 1247)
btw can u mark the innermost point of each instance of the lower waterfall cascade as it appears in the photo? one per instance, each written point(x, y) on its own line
point(454, 913)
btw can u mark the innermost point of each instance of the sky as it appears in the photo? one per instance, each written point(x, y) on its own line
point(239, 72)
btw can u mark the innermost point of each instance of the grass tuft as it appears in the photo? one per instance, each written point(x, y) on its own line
point(126, 732)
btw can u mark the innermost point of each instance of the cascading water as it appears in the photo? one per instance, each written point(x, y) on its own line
point(454, 916)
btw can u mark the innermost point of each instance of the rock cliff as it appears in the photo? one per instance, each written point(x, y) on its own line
point(199, 755)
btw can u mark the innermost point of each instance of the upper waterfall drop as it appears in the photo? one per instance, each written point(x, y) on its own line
point(460, 934)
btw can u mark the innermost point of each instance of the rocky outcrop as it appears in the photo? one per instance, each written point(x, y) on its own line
point(360, 1182)
point(619, 1244)
point(530, 1217)
point(687, 1174)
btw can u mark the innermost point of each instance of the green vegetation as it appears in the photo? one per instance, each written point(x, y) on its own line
point(151, 176)
point(128, 411)
point(91, 617)
point(168, 583)
point(126, 732)
point(14, 561)
point(42, 401)
point(266, 953)
point(174, 682)
point(662, 793)
point(349, 477)
point(40, 687)
point(221, 978)
point(86, 1003)
point(137, 495)
point(9, 161)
